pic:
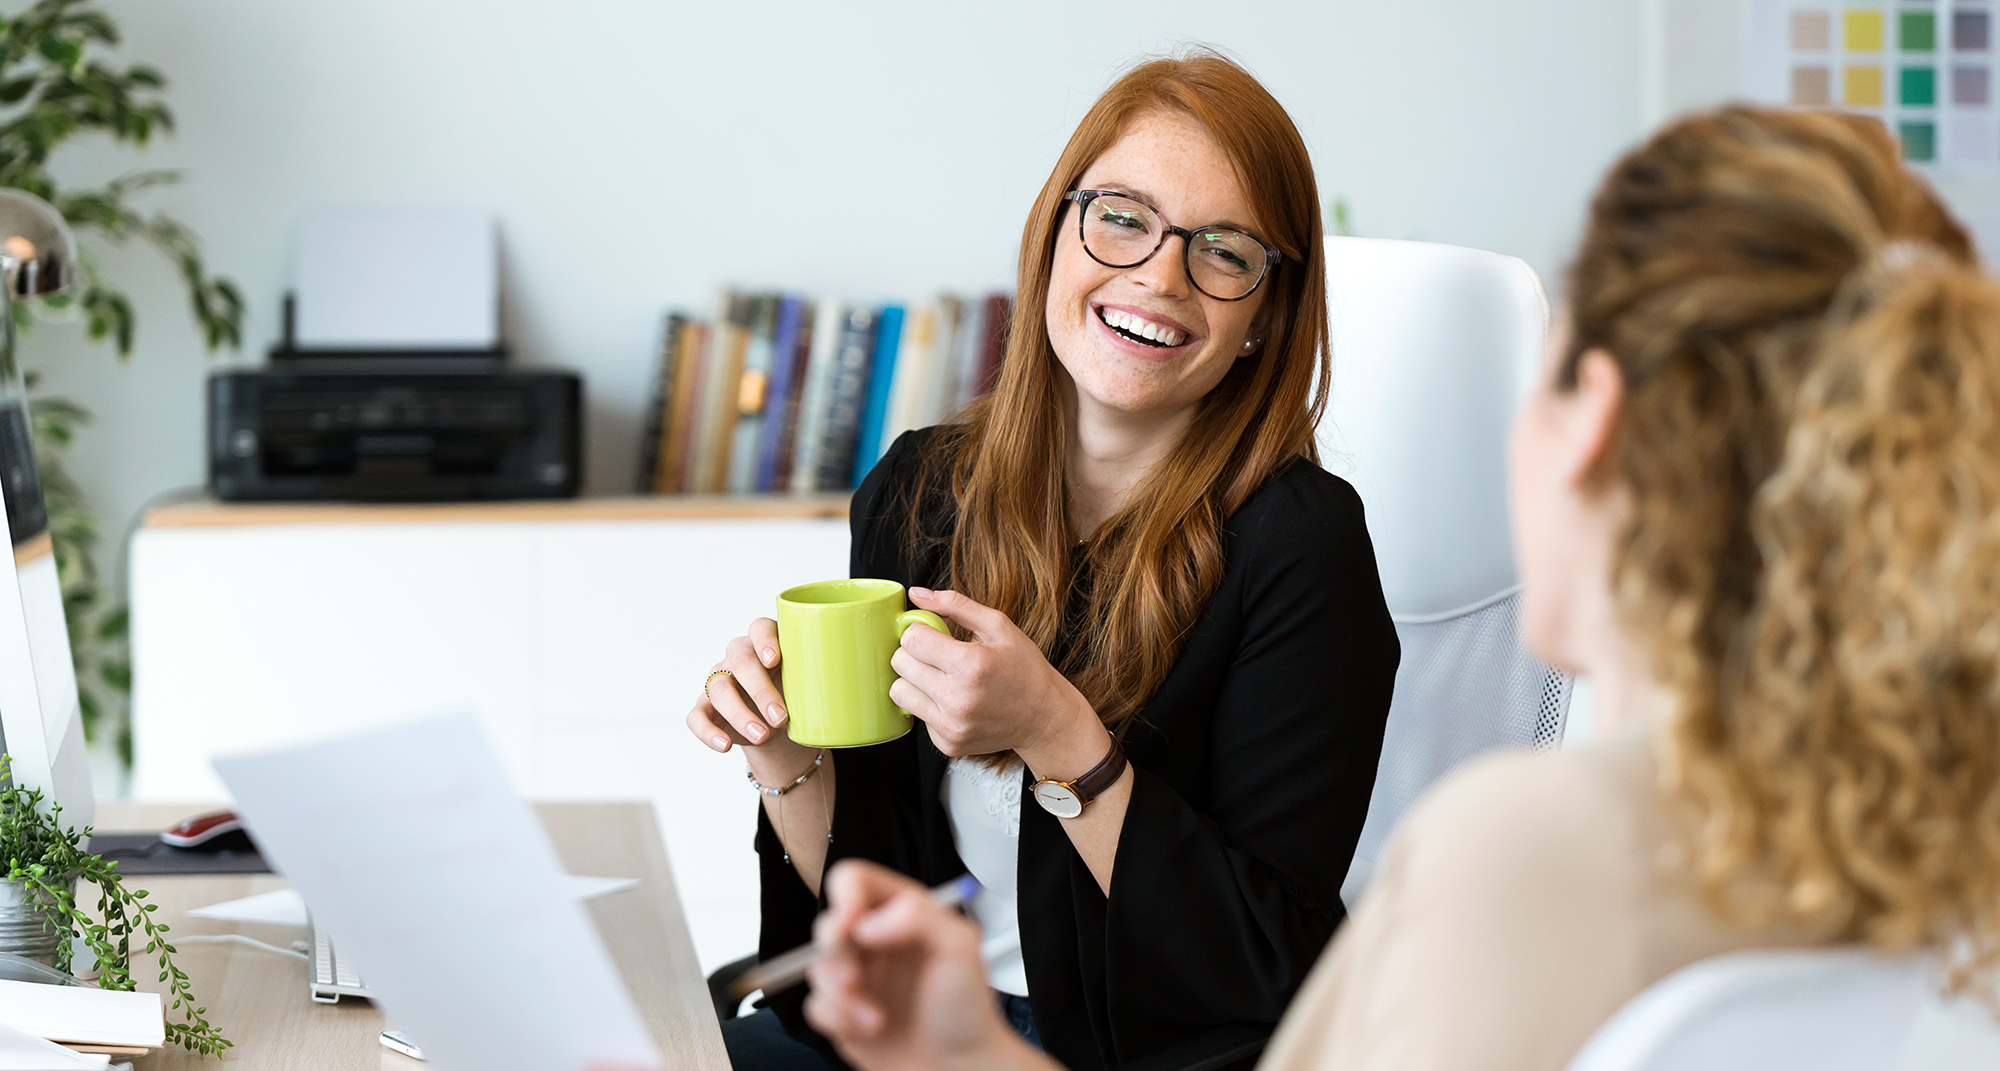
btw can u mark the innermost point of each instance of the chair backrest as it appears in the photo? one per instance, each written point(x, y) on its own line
point(1432, 347)
point(1842, 1009)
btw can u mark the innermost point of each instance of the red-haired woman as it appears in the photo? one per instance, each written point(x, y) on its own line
point(1160, 599)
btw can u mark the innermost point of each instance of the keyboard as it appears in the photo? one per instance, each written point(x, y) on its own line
point(332, 978)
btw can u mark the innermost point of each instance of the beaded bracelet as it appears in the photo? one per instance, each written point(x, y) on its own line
point(796, 781)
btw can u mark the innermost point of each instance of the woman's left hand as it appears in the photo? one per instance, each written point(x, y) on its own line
point(992, 693)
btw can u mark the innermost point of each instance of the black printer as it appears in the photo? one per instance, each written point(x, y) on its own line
point(393, 426)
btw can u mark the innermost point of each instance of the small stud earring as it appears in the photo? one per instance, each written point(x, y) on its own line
point(1249, 344)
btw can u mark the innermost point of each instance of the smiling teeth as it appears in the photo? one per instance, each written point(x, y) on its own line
point(1146, 329)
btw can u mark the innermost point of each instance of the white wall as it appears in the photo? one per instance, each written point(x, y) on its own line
point(639, 153)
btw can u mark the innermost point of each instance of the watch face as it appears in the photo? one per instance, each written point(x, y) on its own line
point(1057, 799)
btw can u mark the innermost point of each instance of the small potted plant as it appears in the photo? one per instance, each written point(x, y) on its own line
point(44, 865)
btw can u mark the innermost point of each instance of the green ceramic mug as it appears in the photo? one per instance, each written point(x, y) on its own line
point(836, 637)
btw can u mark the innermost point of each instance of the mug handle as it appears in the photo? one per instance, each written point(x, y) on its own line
point(919, 617)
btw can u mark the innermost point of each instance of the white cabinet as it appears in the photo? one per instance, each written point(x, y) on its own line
point(578, 632)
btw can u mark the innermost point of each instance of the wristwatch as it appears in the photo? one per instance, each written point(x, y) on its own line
point(1067, 799)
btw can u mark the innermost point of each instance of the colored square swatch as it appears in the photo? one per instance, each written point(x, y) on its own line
point(1919, 142)
point(1917, 86)
point(1973, 140)
point(1969, 85)
point(1812, 85)
point(1812, 31)
point(1862, 30)
point(1916, 31)
point(1971, 31)
point(1863, 87)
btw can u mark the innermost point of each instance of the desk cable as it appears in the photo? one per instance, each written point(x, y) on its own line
point(297, 951)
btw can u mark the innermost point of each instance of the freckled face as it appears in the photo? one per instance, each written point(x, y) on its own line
point(1173, 164)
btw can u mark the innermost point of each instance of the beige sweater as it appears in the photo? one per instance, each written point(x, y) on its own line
point(1522, 902)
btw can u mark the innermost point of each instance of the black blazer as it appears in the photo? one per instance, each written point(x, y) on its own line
point(1254, 763)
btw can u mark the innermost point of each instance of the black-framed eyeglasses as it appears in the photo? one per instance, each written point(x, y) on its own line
point(1119, 231)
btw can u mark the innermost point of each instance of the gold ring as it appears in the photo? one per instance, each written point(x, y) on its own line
point(711, 679)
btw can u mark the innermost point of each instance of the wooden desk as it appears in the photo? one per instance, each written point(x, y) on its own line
point(259, 1000)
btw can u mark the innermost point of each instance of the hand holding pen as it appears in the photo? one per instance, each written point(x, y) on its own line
point(897, 979)
point(787, 969)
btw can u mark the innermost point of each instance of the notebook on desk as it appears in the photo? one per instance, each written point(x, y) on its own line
point(84, 1017)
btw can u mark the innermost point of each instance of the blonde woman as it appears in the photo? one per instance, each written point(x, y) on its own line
point(1160, 600)
point(1755, 502)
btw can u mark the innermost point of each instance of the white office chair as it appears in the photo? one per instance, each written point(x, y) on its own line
point(1432, 347)
point(1842, 1009)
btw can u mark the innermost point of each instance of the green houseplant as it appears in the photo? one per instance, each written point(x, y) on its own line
point(57, 86)
point(47, 865)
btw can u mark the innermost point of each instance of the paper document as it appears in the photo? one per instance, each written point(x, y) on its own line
point(285, 907)
point(413, 851)
point(398, 278)
point(83, 1014)
point(22, 1051)
point(282, 907)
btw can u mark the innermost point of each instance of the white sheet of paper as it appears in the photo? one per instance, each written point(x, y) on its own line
point(285, 907)
point(22, 1051)
point(83, 1014)
point(397, 277)
point(414, 851)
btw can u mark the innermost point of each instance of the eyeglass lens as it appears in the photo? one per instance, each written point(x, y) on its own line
point(1122, 232)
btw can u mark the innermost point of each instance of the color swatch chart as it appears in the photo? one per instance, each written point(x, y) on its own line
point(1926, 69)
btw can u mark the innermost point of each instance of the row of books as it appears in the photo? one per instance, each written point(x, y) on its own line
point(781, 393)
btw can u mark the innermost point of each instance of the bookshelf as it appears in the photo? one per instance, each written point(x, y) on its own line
point(783, 392)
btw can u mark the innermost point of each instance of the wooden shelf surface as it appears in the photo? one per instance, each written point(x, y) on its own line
point(210, 513)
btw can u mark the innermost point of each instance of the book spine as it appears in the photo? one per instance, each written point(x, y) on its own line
point(943, 381)
point(780, 400)
point(965, 353)
point(881, 378)
point(725, 374)
point(683, 422)
point(663, 443)
point(701, 450)
point(781, 477)
point(828, 335)
point(914, 365)
point(656, 406)
point(752, 385)
point(847, 398)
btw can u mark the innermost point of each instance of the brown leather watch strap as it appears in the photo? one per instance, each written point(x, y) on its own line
point(1101, 776)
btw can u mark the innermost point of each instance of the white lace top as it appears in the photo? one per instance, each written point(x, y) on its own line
point(984, 805)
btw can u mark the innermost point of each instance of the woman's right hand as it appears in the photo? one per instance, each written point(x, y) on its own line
point(747, 707)
point(903, 988)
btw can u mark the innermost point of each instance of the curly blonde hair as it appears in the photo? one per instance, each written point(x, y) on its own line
point(1810, 443)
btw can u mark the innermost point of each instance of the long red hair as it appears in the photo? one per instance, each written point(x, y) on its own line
point(1157, 562)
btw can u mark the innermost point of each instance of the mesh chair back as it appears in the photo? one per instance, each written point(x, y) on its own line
point(1466, 686)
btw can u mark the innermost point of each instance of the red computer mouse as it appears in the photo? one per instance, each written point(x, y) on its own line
point(208, 832)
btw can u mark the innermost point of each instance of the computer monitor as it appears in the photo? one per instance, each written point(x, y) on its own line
point(41, 723)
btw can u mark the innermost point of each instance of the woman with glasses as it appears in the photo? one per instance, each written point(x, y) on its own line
point(1754, 500)
point(1154, 733)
